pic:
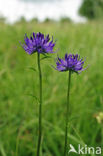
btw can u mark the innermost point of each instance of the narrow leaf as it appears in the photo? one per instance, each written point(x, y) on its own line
point(31, 68)
point(33, 96)
point(45, 57)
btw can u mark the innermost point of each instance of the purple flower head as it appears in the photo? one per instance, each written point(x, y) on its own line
point(38, 43)
point(71, 62)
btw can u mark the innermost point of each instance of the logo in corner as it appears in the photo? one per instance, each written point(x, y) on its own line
point(85, 150)
point(72, 149)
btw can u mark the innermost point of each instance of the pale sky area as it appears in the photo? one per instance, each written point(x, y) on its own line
point(14, 9)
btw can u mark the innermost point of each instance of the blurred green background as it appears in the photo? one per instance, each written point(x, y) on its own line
point(19, 89)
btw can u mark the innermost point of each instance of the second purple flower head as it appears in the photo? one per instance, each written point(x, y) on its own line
point(38, 43)
point(70, 62)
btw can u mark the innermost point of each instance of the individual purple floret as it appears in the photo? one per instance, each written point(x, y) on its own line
point(38, 43)
point(71, 62)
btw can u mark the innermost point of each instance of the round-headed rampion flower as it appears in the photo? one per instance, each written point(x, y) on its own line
point(38, 43)
point(71, 62)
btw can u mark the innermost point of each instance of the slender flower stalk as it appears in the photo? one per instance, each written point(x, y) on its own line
point(40, 106)
point(40, 44)
point(71, 63)
point(67, 113)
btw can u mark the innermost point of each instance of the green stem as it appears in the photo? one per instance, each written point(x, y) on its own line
point(40, 107)
point(67, 113)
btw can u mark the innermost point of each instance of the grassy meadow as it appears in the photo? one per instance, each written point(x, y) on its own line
point(19, 90)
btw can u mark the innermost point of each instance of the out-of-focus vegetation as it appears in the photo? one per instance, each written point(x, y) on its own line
point(19, 109)
point(65, 19)
point(2, 19)
point(92, 9)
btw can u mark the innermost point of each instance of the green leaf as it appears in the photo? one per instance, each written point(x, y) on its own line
point(45, 57)
point(33, 96)
point(2, 151)
point(31, 68)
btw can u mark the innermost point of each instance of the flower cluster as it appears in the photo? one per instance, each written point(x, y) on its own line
point(42, 44)
point(70, 62)
point(38, 43)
